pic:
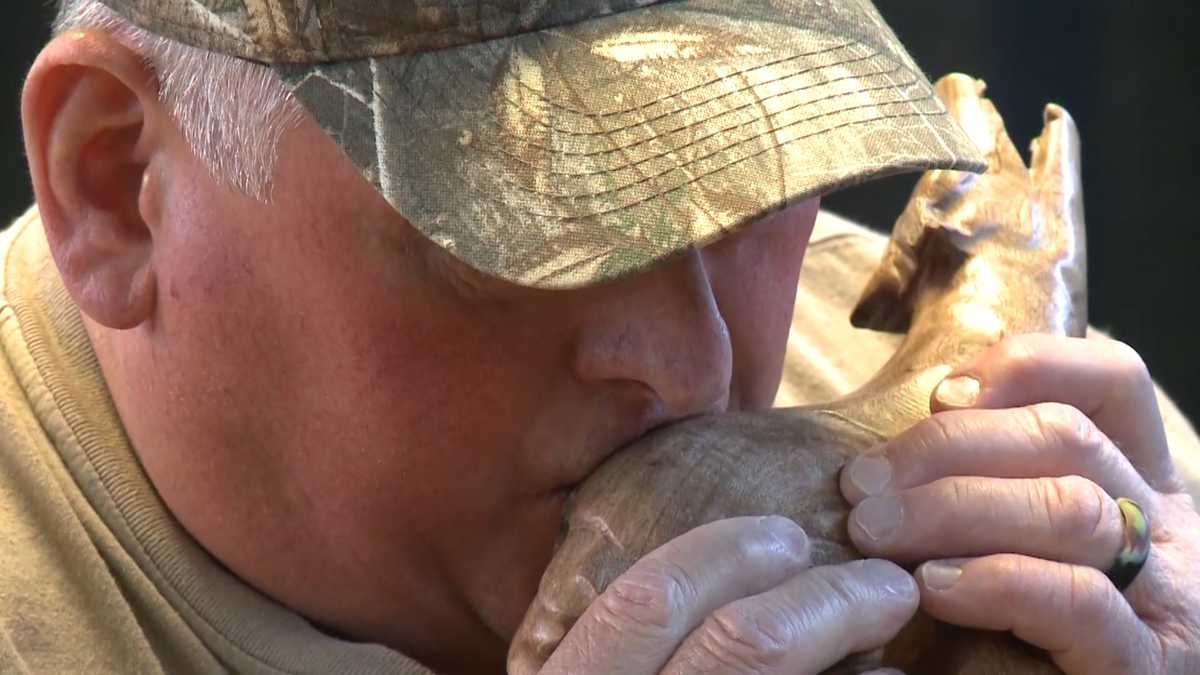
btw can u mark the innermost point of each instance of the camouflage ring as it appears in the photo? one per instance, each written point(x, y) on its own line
point(1136, 549)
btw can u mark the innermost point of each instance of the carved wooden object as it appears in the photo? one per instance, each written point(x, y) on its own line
point(971, 259)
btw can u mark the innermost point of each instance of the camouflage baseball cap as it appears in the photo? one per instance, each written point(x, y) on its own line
point(561, 143)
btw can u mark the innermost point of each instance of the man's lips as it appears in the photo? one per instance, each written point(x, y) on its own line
point(601, 453)
point(577, 434)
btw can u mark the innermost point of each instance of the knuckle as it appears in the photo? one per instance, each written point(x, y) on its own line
point(1015, 353)
point(840, 586)
point(1090, 601)
point(1129, 363)
point(1014, 566)
point(963, 492)
point(1131, 376)
point(1065, 427)
point(746, 636)
point(939, 431)
point(1073, 507)
point(648, 599)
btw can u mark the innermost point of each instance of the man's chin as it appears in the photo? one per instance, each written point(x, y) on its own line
point(504, 610)
point(502, 584)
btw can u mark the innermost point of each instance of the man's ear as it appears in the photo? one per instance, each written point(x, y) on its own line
point(94, 127)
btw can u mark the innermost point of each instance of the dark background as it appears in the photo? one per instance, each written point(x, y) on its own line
point(1127, 73)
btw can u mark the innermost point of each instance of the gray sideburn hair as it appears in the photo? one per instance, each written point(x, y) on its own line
point(231, 112)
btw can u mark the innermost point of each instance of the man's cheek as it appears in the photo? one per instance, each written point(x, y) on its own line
point(757, 302)
point(441, 378)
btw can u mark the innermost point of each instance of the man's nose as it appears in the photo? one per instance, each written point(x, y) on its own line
point(664, 330)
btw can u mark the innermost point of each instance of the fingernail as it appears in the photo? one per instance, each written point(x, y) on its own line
point(789, 534)
point(958, 392)
point(878, 517)
point(940, 576)
point(870, 473)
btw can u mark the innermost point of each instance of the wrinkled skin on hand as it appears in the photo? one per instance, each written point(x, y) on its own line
point(972, 259)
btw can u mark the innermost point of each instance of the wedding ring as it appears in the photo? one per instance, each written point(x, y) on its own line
point(1136, 547)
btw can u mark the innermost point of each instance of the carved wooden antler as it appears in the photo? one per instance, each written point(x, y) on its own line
point(971, 259)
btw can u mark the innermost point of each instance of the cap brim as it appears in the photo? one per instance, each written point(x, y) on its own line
point(569, 157)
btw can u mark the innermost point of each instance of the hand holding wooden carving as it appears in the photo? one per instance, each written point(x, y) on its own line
point(1009, 491)
point(1014, 478)
point(669, 566)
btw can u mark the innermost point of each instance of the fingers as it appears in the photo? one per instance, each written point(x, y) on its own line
point(1073, 612)
point(1067, 519)
point(1104, 379)
point(806, 625)
point(1042, 440)
point(636, 624)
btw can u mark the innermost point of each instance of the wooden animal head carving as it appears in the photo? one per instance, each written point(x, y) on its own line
point(971, 260)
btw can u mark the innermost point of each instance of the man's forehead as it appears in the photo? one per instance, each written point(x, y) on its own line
point(306, 31)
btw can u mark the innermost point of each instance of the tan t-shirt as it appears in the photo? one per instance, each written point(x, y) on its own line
point(97, 577)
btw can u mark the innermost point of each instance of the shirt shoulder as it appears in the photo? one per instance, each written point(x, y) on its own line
point(53, 579)
point(826, 356)
point(64, 604)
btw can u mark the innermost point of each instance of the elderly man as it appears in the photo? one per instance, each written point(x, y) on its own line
point(324, 308)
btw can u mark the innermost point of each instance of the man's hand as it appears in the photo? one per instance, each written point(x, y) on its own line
point(737, 596)
point(1009, 492)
